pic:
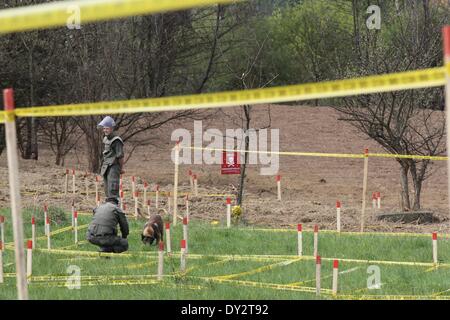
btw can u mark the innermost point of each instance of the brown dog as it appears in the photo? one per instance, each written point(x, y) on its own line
point(153, 230)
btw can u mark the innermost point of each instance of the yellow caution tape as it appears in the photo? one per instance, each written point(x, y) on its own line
point(258, 270)
point(328, 155)
point(432, 77)
point(387, 234)
point(118, 283)
point(264, 285)
point(62, 13)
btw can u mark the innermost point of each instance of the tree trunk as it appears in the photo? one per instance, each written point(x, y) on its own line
point(405, 188)
point(34, 141)
point(244, 165)
point(94, 154)
point(417, 182)
point(28, 145)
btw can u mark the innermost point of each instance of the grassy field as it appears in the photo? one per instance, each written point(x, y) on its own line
point(237, 263)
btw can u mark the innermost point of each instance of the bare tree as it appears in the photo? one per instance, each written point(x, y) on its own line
point(405, 122)
point(61, 134)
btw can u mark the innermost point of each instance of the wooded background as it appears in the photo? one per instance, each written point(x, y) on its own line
point(246, 45)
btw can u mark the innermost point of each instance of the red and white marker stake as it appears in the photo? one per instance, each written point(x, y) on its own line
point(96, 190)
point(185, 232)
point(228, 212)
point(157, 197)
point(187, 207)
point(73, 181)
point(148, 207)
point(66, 184)
point(318, 266)
point(145, 193)
point(33, 231)
point(378, 200)
point(86, 181)
point(14, 194)
point(435, 248)
point(183, 255)
point(133, 185)
point(45, 219)
point(121, 183)
point(47, 223)
point(191, 180)
point(98, 200)
point(279, 187)
point(73, 211)
point(316, 239)
point(136, 195)
point(195, 185)
point(335, 276)
point(1, 262)
point(338, 216)
point(374, 200)
point(169, 208)
point(299, 240)
point(169, 249)
point(124, 206)
point(366, 170)
point(160, 260)
point(2, 229)
point(75, 226)
point(29, 259)
point(175, 183)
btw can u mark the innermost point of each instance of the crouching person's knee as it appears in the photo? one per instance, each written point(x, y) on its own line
point(122, 247)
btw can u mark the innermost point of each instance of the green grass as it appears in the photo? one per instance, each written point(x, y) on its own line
point(216, 251)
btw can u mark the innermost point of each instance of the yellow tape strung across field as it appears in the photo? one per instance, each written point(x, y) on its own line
point(61, 13)
point(258, 270)
point(328, 155)
point(255, 284)
point(74, 245)
point(123, 283)
point(387, 234)
point(299, 283)
point(372, 84)
point(392, 297)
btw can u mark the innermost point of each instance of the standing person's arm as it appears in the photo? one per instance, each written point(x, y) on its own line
point(118, 149)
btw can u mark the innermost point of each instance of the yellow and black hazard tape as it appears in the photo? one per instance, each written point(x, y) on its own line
point(432, 77)
point(327, 155)
point(58, 14)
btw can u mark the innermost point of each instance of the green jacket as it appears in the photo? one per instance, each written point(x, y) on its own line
point(106, 218)
point(112, 152)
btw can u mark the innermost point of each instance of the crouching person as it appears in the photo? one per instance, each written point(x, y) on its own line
point(102, 231)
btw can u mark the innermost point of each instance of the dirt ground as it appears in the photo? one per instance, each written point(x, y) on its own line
point(310, 185)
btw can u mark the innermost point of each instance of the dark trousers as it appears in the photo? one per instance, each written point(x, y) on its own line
point(111, 180)
point(109, 243)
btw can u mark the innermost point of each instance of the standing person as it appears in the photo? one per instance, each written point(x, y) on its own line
point(113, 157)
point(102, 231)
